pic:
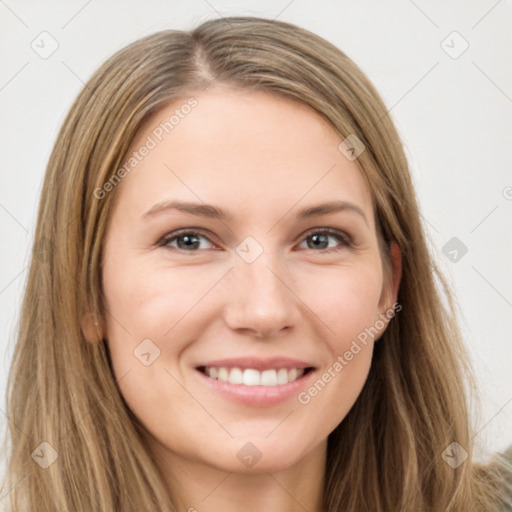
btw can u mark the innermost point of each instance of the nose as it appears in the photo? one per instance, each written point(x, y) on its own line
point(261, 302)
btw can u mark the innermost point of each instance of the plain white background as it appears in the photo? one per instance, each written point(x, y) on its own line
point(452, 106)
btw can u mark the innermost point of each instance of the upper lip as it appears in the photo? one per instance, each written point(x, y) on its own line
point(258, 363)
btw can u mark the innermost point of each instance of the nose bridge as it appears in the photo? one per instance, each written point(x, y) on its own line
point(264, 276)
point(261, 301)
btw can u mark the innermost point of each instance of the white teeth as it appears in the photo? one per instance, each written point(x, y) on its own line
point(282, 376)
point(298, 375)
point(223, 375)
point(236, 376)
point(251, 377)
point(269, 378)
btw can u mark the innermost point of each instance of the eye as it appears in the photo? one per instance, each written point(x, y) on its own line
point(320, 239)
point(189, 241)
point(185, 240)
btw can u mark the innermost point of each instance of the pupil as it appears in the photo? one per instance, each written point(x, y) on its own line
point(317, 237)
point(188, 242)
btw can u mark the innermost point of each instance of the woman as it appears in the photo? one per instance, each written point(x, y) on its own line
point(187, 341)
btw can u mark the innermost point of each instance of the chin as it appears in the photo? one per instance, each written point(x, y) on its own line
point(269, 464)
point(265, 455)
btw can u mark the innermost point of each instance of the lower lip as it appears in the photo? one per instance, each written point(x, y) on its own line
point(257, 396)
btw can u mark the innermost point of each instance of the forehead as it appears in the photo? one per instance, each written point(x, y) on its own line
point(252, 152)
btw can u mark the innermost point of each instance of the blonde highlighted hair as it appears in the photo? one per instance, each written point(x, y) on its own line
point(386, 455)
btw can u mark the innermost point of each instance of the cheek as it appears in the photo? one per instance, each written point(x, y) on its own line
point(150, 303)
point(150, 323)
point(346, 300)
point(154, 315)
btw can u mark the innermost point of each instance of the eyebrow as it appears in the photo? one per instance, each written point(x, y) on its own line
point(210, 211)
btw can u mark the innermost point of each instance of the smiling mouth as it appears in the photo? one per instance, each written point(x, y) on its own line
point(252, 377)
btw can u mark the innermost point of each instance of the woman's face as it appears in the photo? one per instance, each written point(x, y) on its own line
point(240, 330)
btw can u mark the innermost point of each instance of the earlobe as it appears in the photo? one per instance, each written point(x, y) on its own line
point(92, 327)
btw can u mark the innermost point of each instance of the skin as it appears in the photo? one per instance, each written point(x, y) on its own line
point(262, 158)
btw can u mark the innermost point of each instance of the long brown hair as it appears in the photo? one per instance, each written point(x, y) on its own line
point(387, 454)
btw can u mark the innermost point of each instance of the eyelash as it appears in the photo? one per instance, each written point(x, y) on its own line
point(344, 239)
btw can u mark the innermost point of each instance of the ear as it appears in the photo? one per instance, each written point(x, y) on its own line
point(392, 279)
point(396, 263)
point(92, 327)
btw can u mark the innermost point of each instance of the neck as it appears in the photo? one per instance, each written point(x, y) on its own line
point(198, 487)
